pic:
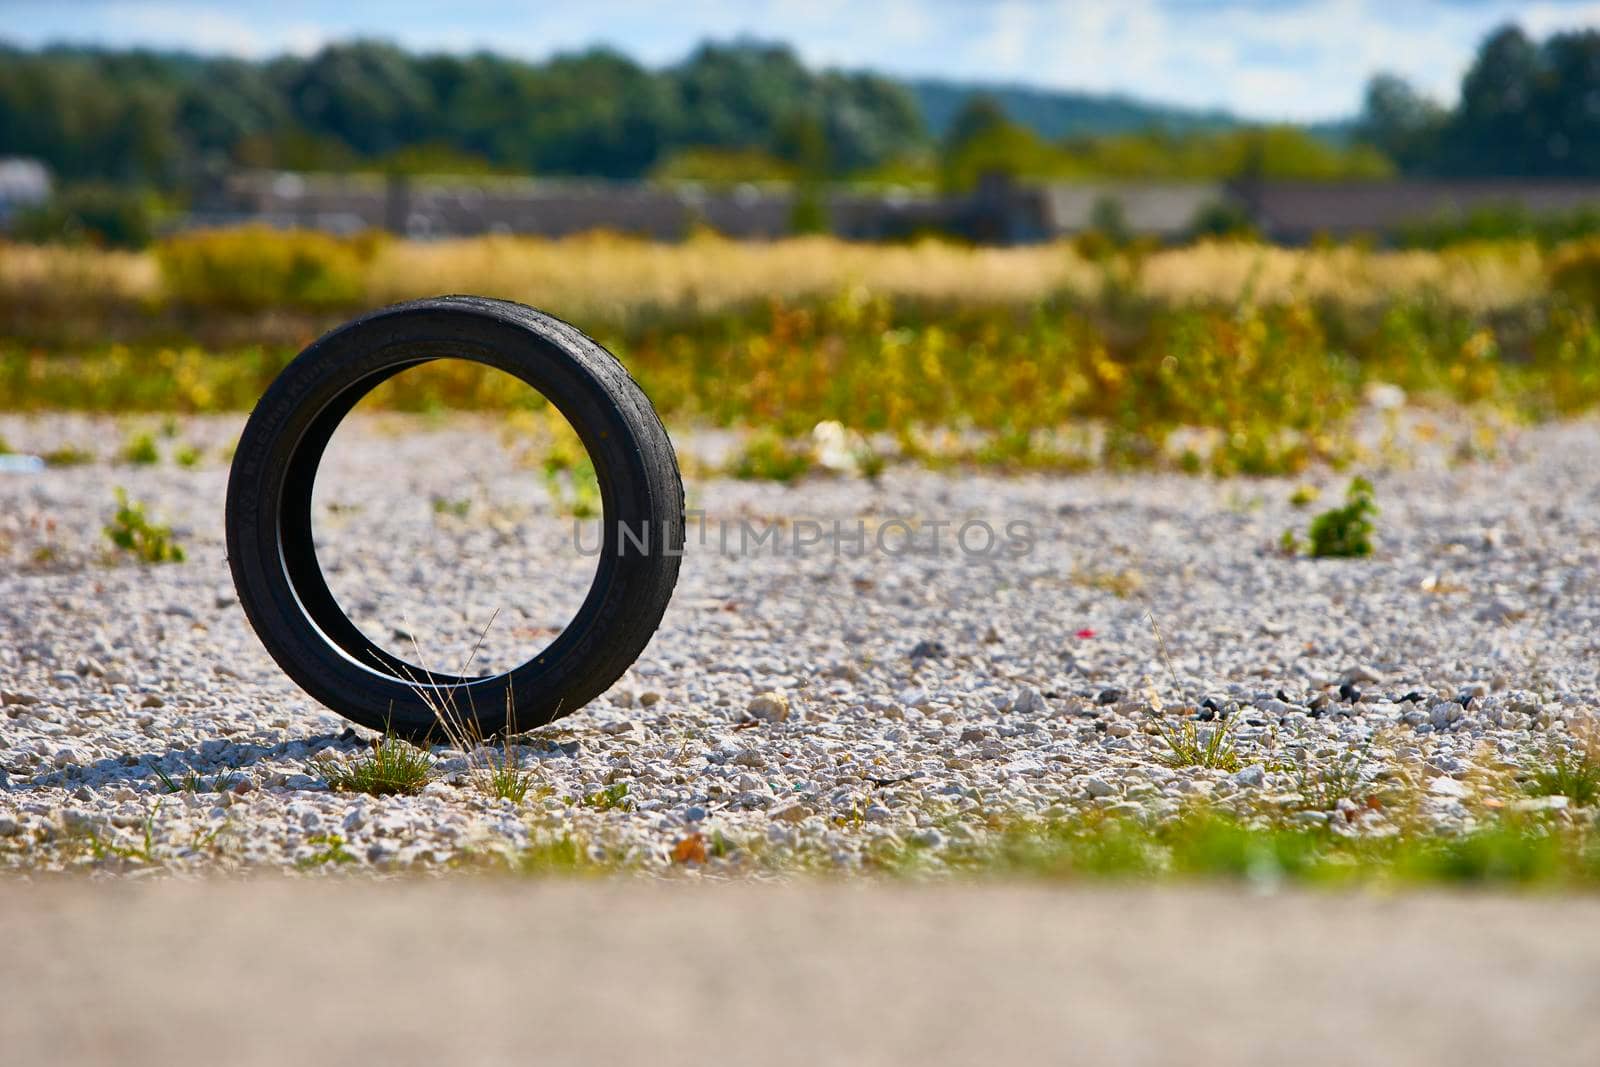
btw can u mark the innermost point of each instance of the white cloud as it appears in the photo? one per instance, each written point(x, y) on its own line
point(1546, 18)
point(205, 28)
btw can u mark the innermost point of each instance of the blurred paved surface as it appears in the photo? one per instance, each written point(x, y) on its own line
point(501, 971)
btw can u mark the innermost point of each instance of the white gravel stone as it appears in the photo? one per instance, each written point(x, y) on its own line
point(1028, 701)
point(1251, 777)
point(770, 706)
point(791, 813)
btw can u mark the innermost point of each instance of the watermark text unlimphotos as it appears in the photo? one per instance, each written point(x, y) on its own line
point(744, 537)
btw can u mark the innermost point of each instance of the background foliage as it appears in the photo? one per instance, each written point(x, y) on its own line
point(170, 121)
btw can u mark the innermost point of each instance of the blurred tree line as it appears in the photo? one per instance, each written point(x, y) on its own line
point(168, 121)
point(126, 131)
point(1527, 109)
point(983, 138)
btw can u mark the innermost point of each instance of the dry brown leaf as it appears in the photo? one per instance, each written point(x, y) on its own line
point(691, 849)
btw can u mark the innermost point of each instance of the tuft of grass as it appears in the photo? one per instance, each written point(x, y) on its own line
point(768, 457)
point(392, 768)
point(1346, 532)
point(194, 783)
point(1565, 773)
point(498, 776)
point(1202, 843)
point(330, 850)
point(1304, 496)
point(502, 779)
point(613, 797)
point(573, 488)
point(133, 532)
point(187, 457)
point(140, 450)
point(1119, 583)
point(1503, 852)
point(1186, 747)
point(1346, 779)
point(68, 456)
point(870, 463)
point(144, 852)
point(564, 855)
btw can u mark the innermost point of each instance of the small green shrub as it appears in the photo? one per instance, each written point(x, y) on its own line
point(1346, 532)
point(68, 456)
point(1304, 496)
point(140, 450)
point(768, 457)
point(131, 531)
point(1222, 220)
point(1575, 271)
point(97, 213)
point(255, 267)
point(393, 767)
point(187, 457)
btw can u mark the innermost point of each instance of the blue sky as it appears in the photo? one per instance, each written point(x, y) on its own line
point(1296, 59)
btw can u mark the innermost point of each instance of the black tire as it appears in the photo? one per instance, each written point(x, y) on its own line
point(274, 562)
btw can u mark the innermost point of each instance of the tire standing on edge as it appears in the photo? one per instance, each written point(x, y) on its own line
point(269, 522)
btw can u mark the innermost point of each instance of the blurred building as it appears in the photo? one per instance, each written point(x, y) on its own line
point(447, 207)
point(1156, 209)
point(999, 211)
point(1297, 212)
point(24, 183)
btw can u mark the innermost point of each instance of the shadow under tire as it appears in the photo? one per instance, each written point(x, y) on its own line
point(269, 522)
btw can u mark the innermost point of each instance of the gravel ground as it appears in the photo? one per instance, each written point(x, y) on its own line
point(264, 972)
point(816, 704)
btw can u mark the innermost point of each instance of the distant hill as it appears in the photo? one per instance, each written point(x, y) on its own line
point(1058, 113)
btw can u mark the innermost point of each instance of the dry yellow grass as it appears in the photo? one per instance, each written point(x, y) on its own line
point(1478, 278)
point(49, 274)
point(605, 277)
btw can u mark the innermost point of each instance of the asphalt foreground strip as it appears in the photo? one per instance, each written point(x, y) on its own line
point(498, 971)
